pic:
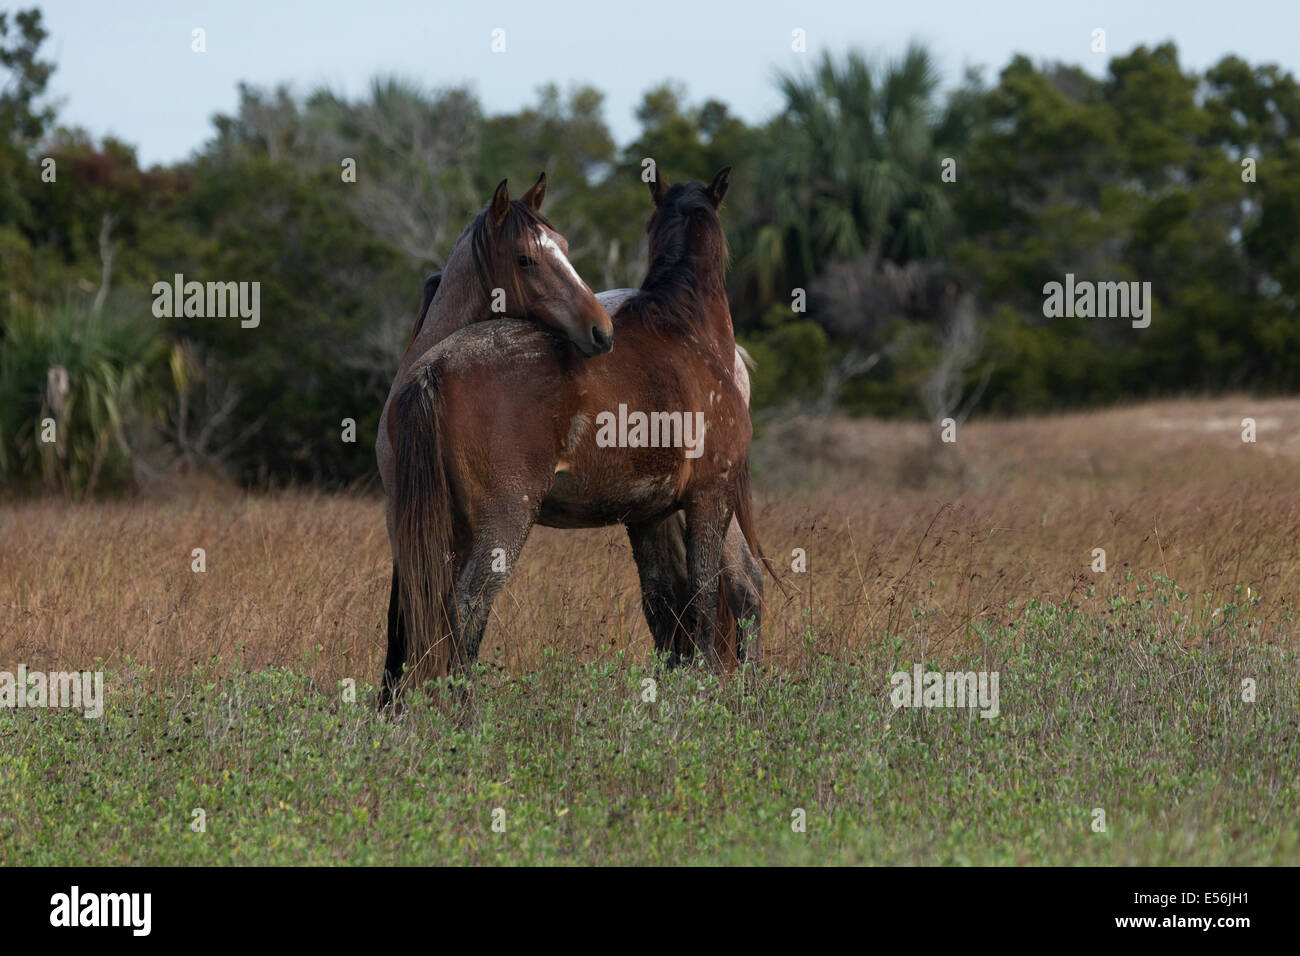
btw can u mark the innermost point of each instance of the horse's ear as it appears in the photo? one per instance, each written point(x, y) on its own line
point(718, 188)
point(500, 204)
point(536, 193)
point(658, 187)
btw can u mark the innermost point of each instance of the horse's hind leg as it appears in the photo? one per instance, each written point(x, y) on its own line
point(659, 548)
point(396, 644)
point(742, 587)
point(665, 592)
point(707, 517)
point(489, 563)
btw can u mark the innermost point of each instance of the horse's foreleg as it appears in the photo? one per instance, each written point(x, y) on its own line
point(491, 559)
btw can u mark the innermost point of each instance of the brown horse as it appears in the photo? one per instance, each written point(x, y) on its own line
point(661, 552)
point(500, 426)
point(509, 261)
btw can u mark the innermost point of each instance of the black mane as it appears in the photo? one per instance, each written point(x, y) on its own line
point(684, 271)
point(430, 290)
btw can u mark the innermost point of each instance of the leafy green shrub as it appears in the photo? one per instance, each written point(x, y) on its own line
point(792, 363)
point(86, 380)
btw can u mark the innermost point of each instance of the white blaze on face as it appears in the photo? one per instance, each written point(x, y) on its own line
point(550, 245)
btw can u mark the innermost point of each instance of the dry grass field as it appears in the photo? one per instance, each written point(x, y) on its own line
point(1122, 692)
point(902, 538)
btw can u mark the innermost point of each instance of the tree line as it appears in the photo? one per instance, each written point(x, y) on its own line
point(891, 246)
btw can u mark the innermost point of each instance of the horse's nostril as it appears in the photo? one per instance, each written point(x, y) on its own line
point(600, 336)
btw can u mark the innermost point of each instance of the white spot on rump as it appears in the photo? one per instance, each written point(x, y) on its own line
point(741, 376)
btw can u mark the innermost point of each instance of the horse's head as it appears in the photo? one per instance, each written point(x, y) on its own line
point(523, 262)
point(685, 219)
point(688, 251)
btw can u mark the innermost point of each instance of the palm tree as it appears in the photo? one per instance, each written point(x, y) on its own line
point(853, 171)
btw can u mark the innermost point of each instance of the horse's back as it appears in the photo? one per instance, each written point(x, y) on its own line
point(501, 344)
point(611, 300)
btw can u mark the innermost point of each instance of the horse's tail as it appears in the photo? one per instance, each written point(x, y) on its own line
point(745, 518)
point(423, 527)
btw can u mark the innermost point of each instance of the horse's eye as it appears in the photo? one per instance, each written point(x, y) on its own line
point(526, 262)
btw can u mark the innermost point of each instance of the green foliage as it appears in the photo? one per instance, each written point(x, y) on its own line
point(1134, 177)
point(791, 363)
point(23, 116)
point(289, 771)
point(117, 378)
point(308, 364)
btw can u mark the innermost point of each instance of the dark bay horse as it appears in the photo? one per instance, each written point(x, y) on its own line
point(509, 261)
point(660, 553)
point(501, 426)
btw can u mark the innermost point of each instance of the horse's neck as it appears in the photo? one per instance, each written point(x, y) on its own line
point(458, 302)
point(719, 325)
point(714, 322)
point(712, 281)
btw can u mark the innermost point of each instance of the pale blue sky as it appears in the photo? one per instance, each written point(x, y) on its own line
point(125, 66)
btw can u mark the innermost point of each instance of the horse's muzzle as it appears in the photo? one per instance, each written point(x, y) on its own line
point(601, 341)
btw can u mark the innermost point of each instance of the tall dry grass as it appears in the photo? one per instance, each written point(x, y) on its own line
point(903, 536)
